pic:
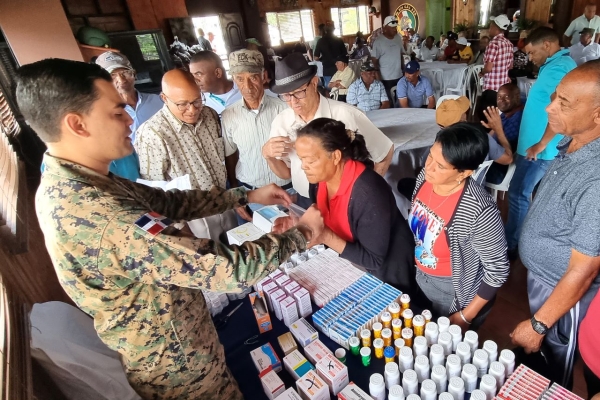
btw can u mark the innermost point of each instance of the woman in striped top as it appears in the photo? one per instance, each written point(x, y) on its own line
point(460, 245)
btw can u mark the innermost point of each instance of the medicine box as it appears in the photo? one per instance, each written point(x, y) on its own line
point(311, 387)
point(333, 372)
point(267, 289)
point(276, 297)
point(287, 343)
point(289, 311)
point(264, 218)
point(315, 351)
point(261, 313)
point(304, 332)
point(244, 233)
point(296, 364)
point(302, 298)
point(265, 357)
point(272, 384)
point(289, 394)
point(353, 392)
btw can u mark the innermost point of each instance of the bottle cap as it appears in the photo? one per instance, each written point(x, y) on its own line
point(445, 396)
point(409, 376)
point(376, 380)
point(443, 323)
point(422, 361)
point(407, 333)
point(389, 352)
point(365, 351)
point(490, 346)
point(407, 314)
point(455, 330)
point(386, 333)
point(377, 326)
point(405, 298)
point(391, 368)
point(456, 383)
point(469, 371)
point(397, 323)
point(453, 361)
point(507, 355)
point(378, 343)
point(478, 395)
point(438, 372)
point(497, 369)
point(420, 341)
point(427, 315)
point(386, 316)
point(471, 337)
point(353, 341)
point(428, 386)
point(431, 327)
point(436, 349)
point(365, 333)
point(481, 356)
point(394, 307)
point(463, 350)
point(406, 352)
point(396, 393)
point(413, 397)
point(399, 343)
point(488, 382)
point(419, 320)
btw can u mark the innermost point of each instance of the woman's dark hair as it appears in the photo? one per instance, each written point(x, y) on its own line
point(464, 145)
point(334, 136)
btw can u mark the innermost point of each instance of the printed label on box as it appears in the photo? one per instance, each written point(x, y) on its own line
point(304, 332)
point(311, 387)
point(261, 313)
point(287, 343)
point(272, 384)
point(333, 372)
point(265, 357)
point(296, 364)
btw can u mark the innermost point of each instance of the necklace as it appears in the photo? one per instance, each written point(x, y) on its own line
point(452, 191)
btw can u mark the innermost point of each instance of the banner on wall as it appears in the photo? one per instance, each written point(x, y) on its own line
point(408, 17)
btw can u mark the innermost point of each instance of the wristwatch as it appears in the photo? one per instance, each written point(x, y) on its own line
point(539, 327)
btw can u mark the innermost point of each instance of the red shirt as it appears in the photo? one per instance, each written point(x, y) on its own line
point(429, 215)
point(589, 336)
point(500, 53)
point(450, 51)
point(335, 211)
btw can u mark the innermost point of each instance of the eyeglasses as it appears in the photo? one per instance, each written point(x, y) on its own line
point(300, 94)
point(123, 74)
point(185, 105)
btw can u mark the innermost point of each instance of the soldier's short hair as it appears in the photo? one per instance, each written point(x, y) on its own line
point(47, 90)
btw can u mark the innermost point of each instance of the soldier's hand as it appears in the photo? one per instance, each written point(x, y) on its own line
point(243, 213)
point(277, 147)
point(270, 194)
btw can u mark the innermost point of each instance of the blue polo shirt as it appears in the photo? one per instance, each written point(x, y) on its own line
point(416, 94)
point(535, 117)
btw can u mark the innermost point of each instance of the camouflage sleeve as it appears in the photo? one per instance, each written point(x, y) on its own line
point(130, 253)
point(178, 204)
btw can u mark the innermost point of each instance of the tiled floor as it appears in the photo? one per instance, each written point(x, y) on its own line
point(511, 308)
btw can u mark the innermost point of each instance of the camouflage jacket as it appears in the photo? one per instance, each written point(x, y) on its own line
point(142, 290)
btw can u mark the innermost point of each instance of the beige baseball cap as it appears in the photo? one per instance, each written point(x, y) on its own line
point(451, 111)
point(111, 61)
point(246, 61)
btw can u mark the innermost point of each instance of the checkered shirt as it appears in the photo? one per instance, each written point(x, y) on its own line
point(500, 53)
point(364, 99)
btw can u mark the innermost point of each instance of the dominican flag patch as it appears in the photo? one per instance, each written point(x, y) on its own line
point(153, 223)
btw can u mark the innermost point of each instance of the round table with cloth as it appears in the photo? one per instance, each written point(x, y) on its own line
point(412, 130)
point(442, 75)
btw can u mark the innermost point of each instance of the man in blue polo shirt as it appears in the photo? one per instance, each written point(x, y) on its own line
point(537, 141)
point(413, 89)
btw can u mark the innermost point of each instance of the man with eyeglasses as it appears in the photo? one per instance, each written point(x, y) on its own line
point(184, 137)
point(140, 106)
point(296, 83)
point(246, 127)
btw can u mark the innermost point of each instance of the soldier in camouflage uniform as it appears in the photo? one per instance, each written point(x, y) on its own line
point(142, 290)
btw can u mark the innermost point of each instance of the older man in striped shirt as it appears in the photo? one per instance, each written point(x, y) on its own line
point(246, 126)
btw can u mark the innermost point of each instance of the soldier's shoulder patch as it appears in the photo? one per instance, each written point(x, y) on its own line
point(153, 223)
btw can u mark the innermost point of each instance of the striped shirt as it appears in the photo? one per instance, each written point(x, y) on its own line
point(169, 148)
point(477, 245)
point(246, 131)
point(366, 99)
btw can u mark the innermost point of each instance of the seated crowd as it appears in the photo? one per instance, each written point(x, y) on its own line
point(256, 137)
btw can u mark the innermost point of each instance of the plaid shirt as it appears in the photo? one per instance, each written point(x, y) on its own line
point(500, 53)
point(366, 99)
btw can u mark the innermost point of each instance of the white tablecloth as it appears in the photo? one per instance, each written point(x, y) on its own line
point(450, 74)
point(319, 65)
point(413, 132)
point(525, 84)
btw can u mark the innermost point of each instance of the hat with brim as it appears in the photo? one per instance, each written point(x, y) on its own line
point(111, 61)
point(292, 73)
point(451, 111)
point(588, 31)
point(253, 41)
point(463, 41)
point(368, 66)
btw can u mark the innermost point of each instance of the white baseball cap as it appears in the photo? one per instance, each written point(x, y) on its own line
point(390, 21)
point(501, 21)
point(463, 41)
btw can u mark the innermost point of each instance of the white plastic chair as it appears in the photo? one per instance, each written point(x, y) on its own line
point(334, 93)
point(481, 171)
point(406, 59)
point(474, 85)
point(446, 97)
point(462, 85)
point(394, 98)
point(504, 185)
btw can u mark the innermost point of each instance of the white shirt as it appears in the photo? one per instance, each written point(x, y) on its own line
point(246, 131)
point(287, 124)
point(581, 53)
point(389, 53)
point(427, 54)
point(578, 24)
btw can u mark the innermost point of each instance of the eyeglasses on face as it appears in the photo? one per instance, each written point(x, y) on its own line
point(184, 105)
point(300, 94)
point(123, 74)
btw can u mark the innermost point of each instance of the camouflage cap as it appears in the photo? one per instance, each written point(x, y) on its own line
point(246, 61)
point(111, 61)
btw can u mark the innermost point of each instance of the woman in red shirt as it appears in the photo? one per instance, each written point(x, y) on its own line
point(460, 245)
point(362, 222)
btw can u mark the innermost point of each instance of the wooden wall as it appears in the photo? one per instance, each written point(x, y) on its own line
point(152, 14)
point(538, 10)
point(465, 12)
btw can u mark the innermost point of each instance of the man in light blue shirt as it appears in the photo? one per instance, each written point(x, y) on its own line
point(413, 89)
point(537, 141)
point(140, 107)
